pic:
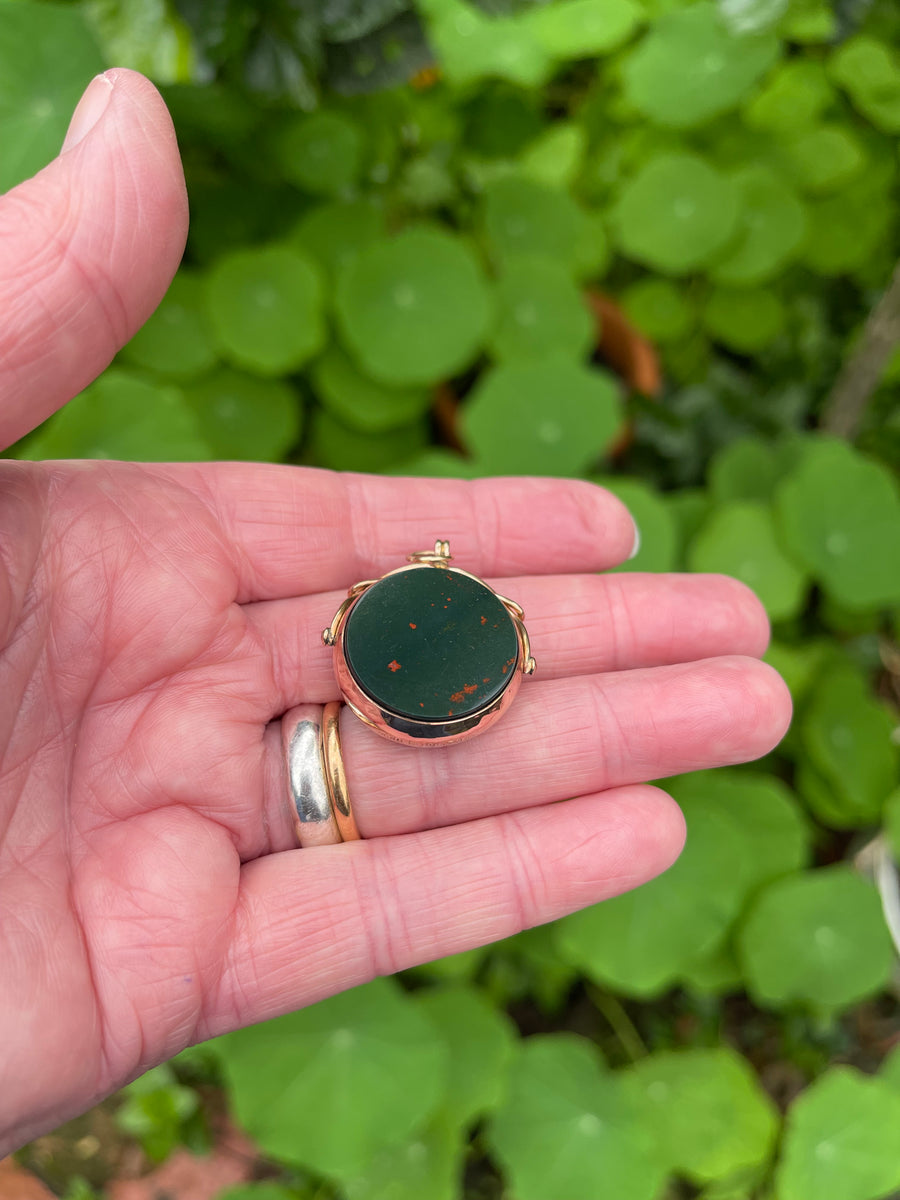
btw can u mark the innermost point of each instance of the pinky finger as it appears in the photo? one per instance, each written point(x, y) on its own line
point(310, 923)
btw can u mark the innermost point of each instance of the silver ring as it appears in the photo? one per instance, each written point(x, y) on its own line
point(311, 810)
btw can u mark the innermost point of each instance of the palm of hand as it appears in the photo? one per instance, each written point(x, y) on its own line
point(155, 621)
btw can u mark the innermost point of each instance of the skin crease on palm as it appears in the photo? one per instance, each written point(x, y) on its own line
point(155, 621)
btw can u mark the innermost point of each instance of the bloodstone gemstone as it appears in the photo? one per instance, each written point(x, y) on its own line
point(430, 643)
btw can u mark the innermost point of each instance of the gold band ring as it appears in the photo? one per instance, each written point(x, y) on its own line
point(335, 776)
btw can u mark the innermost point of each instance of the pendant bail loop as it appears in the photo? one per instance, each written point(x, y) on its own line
point(437, 557)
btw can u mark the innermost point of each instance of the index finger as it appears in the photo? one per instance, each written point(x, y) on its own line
point(298, 530)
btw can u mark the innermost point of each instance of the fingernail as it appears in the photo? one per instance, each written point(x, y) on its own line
point(637, 542)
point(89, 110)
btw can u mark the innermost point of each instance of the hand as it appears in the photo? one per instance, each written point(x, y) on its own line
point(155, 620)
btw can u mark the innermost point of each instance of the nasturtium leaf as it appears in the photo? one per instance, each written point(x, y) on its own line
point(659, 536)
point(752, 16)
point(842, 1139)
point(744, 319)
point(709, 1114)
point(480, 1040)
point(429, 1165)
point(445, 464)
point(839, 515)
point(549, 416)
point(321, 152)
point(523, 217)
point(333, 234)
point(556, 155)
point(812, 22)
point(739, 539)
point(540, 310)
point(265, 308)
point(817, 938)
point(740, 833)
point(176, 340)
point(333, 444)
point(660, 309)
point(792, 98)
point(121, 416)
point(677, 213)
point(847, 229)
point(360, 402)
point(743, 469)
point(690, 67)
point(344, 1078)
point(689, 507)
point(583, 28)
point(414, 309)
point(846, 733)
point(472, 46)
point(892, 827)
point(771, 230)
point(775, 834)
point(798, 665)
point(244, 416)
point(824, 158)
point(713, 974)
point(570, 1129)
point(47, 58)
point(869, 71)
point(143, 35)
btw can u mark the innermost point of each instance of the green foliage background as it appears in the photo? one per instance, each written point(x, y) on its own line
point(388, 197)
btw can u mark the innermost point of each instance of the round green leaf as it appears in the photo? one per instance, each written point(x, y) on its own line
point(713, 974)
point(794, 95)
point(321, 152)
point(121, 416)
point(690, 68)
point(415, 309)
point(570, 1130)
point(889, 1070)
point(847, 735)
point(344, 1078)
point(245, 417)
point(817, 938)
point(676, 214)
point(338, 446)
point(444, 464)
point(848, 229)
point(660, 309)
point(744, 469)
point(333, 234)
point(744, 319)
point(480, 1041)
point(773, 227)
point(359, 401)
point(739, 539)
point(472, 46)
point(869, 71)
point(524, 218)
point(265, 307)
point(556, 155)
point(548, 417)
point(429, 1165)
point(708, 1111)
point(583, 28)
point(540, 310)
point(47, 58)
point(825, 158)
point(176, 340)
point(659, 538)
point(741, 831)
point(839, 515)
point(841, 1139)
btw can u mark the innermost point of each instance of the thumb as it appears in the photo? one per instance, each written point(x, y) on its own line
point(88, 248)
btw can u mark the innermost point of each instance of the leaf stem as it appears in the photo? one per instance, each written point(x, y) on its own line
point(620, 1022)
point(844, 407)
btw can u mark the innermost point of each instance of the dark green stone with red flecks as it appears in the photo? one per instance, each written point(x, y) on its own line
point(429, 643)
